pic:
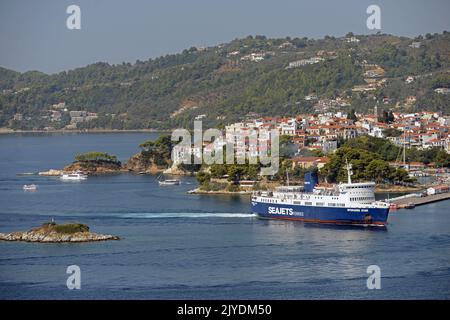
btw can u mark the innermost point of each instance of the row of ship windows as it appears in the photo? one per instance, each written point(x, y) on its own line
point(358, 187)
point(308, 203)
point(336, 204)
point(321, 204)
point(361, 198)
point(334, 198)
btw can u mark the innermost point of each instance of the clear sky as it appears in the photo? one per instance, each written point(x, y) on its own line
point(34, 36)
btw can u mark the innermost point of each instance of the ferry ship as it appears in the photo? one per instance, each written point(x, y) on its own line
point(346, 203)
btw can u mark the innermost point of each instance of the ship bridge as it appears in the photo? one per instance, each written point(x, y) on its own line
point(363, 192)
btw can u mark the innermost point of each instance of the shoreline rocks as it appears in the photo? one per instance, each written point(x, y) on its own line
point(140, 163)
point(53, 233)
point(176, 171)
point(220, 192)
point(94, 168)
point(51, 173)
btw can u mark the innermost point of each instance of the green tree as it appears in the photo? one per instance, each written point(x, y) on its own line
point(218, 170)
point(158, 151)
point(235, 172)
point(352, 116)
point(392, 132)
point(379, 170)
point(442, 159)
point(96, 156)
point(203, 177)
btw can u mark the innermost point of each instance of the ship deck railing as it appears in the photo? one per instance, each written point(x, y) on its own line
point(293, 196)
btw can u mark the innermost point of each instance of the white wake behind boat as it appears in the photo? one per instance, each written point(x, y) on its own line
point(74, 176)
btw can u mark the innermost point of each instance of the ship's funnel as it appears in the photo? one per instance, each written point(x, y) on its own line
point(311, 180)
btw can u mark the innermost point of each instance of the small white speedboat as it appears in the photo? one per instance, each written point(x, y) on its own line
point(74, 176)
point(30, 187)
point(169, 182)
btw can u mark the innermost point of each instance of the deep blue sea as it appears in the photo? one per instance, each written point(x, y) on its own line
point(180, 246)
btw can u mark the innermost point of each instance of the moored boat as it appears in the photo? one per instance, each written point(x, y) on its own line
point(74, 176)
point(409, 205)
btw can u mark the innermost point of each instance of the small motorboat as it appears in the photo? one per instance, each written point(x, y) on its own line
point(169, 182)
point(74, 176)
point(409, 205)
point(29, 187)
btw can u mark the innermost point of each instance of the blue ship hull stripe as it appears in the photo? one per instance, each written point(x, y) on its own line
point(338, 215)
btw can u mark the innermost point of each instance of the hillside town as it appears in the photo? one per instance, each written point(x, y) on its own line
point(322, 132)
point(317, 137)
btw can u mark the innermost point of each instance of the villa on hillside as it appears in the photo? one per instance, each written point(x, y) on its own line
point(309, 162)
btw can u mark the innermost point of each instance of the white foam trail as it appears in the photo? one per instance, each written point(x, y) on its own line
point(153, 215)
point(186, 215)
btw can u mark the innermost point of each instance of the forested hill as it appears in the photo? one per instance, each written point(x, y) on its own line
point(249, 77)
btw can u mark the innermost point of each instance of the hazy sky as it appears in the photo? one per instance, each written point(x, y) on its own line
point(34, 36)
